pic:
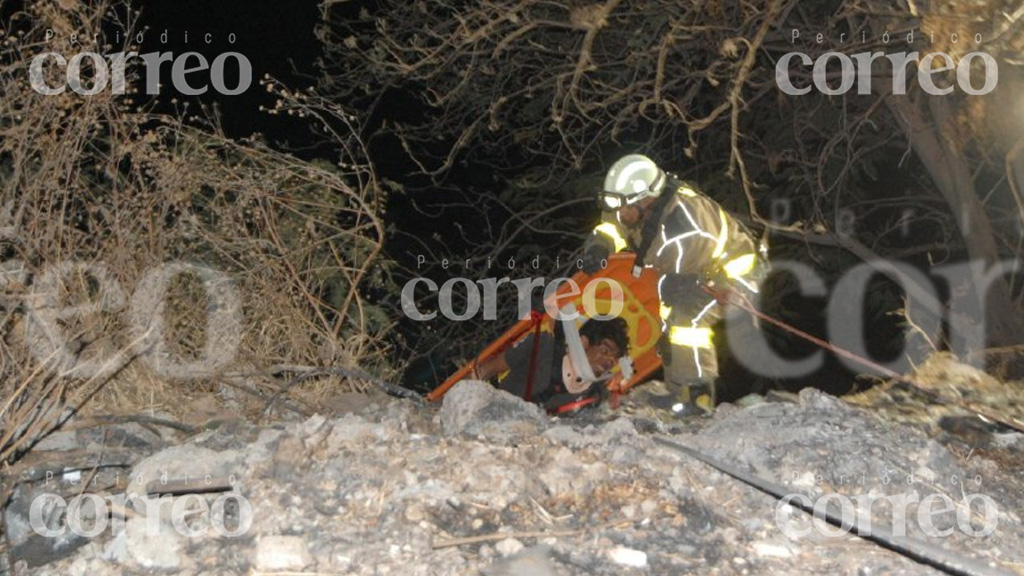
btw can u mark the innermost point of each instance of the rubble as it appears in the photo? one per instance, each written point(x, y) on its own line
point(487, 484)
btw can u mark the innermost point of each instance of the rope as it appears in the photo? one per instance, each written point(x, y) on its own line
point(724, 297)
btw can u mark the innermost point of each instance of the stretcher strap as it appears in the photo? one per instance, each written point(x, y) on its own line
point(572, 406)
point(577, 354)
point(535, 317)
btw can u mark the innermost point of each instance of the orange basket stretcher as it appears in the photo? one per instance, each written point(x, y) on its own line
point(640, 310)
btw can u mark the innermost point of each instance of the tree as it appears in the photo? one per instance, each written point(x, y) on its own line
point(268, 258)
point(553, 89)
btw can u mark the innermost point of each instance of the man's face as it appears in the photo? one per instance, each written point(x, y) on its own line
point(632, 215)
point(602, 356)
point(628, 216)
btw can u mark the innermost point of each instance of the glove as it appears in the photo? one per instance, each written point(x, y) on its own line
point(680, 289)
point(592, 257)
point(665, 350)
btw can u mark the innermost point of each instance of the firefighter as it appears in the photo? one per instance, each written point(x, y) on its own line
point(691, 241)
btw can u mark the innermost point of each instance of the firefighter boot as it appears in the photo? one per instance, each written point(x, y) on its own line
point(697, 399)
point(684, 400)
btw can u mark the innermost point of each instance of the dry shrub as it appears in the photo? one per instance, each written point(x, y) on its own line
point(100, 195)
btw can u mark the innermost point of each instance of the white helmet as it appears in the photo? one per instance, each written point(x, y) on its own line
point(631, 179)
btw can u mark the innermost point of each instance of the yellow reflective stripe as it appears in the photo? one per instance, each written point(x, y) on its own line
point(611, 231)
point(740, 265)
point(704, 403)
point(686, 192)
point(666, 311)
point(723, 234)
point(690, 336)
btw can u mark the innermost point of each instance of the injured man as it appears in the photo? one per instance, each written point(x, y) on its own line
point(564, 370)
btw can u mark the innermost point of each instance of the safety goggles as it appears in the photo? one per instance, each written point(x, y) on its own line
point(612, 201)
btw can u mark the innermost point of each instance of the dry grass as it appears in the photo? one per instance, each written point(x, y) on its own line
point(266, 256)
point(945, 387)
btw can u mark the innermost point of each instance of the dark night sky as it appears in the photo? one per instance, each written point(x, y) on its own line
point(277, 38)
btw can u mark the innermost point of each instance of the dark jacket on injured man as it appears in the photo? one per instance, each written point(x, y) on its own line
point(551, 366)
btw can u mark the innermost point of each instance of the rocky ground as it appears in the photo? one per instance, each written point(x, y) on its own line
point(486, 484)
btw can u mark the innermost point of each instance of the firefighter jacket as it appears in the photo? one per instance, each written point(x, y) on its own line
point(690, 240)
point(692, 236)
